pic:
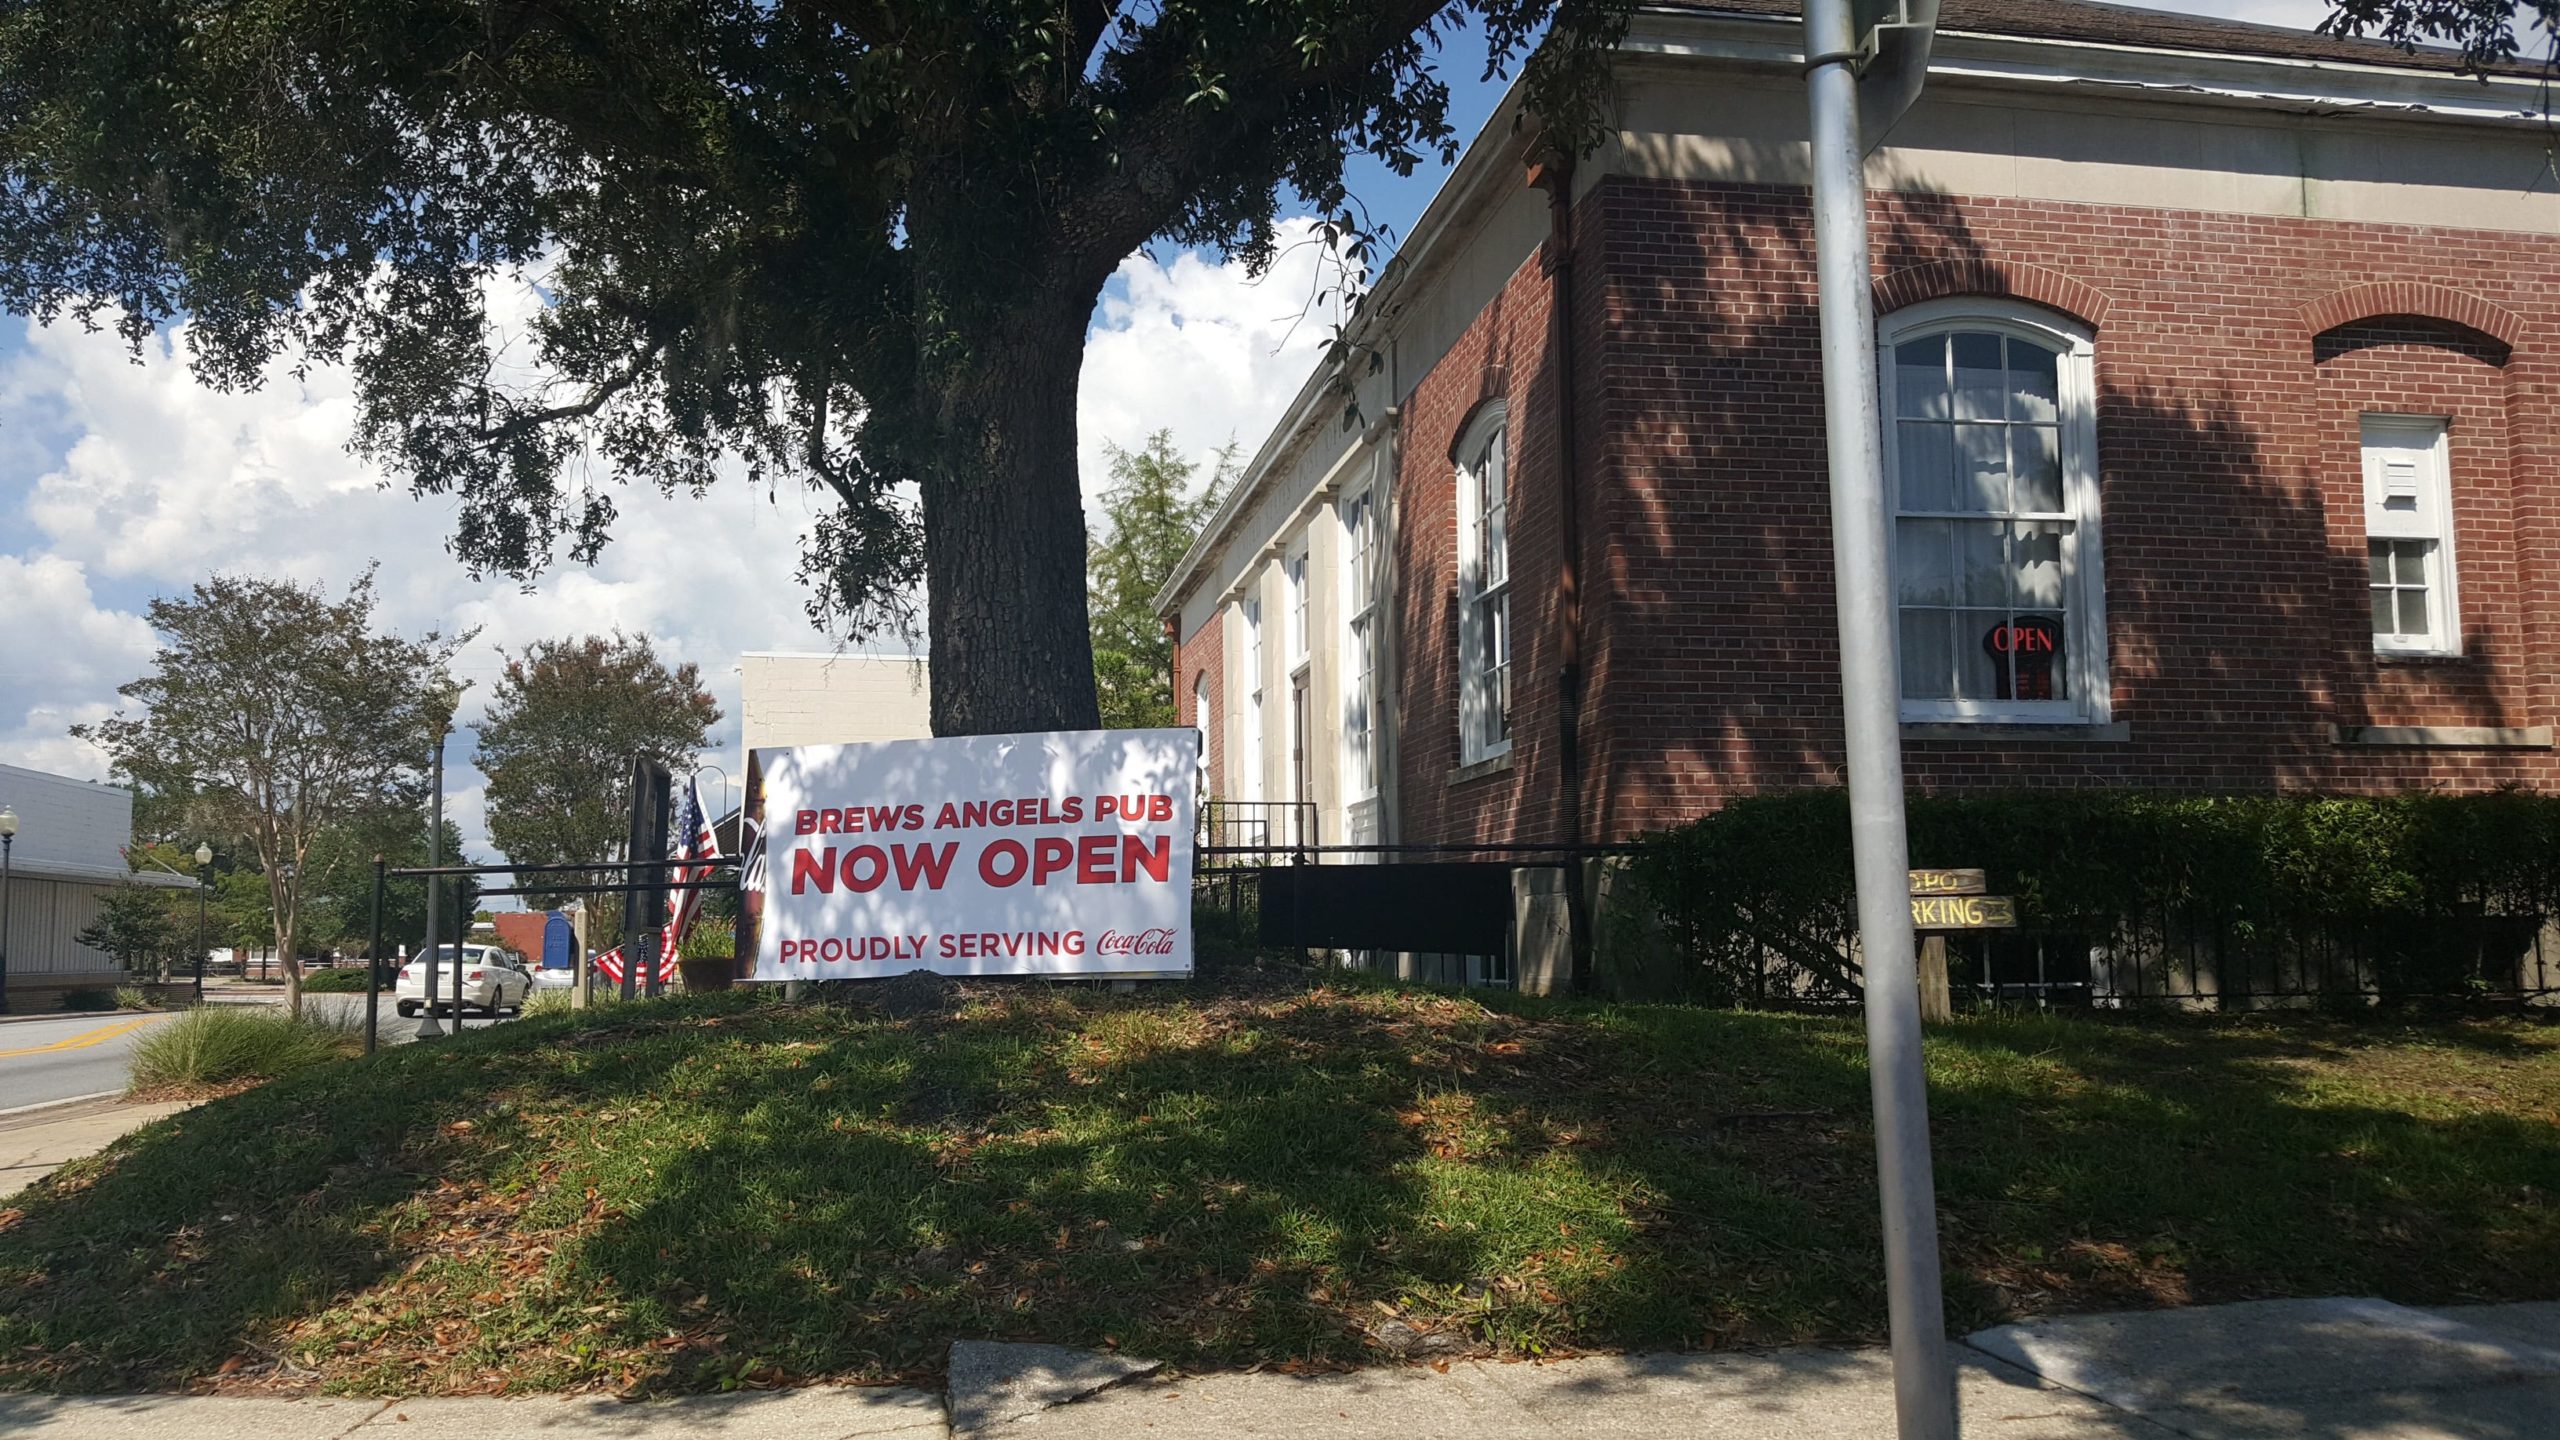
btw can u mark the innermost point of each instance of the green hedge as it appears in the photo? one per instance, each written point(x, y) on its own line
point(339, 980)
point(2399, 884)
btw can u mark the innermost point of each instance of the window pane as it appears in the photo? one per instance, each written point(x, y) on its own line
point(2034, 393)
point(2035, 451)
point(1920, 378)
point(1981, 571)
point(1982, 468)
point(1927, 673)
point(1921, 565)
point(2384, 621)
point(2379, 552)
point(2413, 612)
point(1981, 674)
point(1979, 382)
point(2035, 553)
point(1925, 466)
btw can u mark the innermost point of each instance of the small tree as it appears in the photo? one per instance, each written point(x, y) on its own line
point(1150, 517)
point(283, 715)
point(559, 738)
point(136, 928)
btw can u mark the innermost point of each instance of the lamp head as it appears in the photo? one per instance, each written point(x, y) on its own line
point(8, 822)
point(204, 854)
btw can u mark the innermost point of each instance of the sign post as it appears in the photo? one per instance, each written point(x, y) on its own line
point(1880, 47)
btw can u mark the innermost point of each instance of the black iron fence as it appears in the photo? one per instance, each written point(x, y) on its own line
point(1257, 833)
point(2397, 961)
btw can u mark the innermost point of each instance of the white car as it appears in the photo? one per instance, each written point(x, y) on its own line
point(493, 980)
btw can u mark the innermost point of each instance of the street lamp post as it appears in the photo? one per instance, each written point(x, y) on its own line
point(8, 837)
point(204, 882)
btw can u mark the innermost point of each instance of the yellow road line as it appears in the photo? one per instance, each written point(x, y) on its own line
point(84, 1039)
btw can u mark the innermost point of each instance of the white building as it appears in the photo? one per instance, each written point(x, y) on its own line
point(69, 851)
point(823, 698)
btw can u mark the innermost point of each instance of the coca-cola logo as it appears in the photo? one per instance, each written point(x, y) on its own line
point(1145, 942)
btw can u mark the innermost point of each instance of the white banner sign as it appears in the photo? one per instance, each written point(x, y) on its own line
point(1057, 854)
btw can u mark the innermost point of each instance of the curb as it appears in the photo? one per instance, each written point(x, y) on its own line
point(17, 1110)
point(63, 1015)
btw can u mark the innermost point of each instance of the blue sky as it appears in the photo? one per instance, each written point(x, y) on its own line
point(123, 481)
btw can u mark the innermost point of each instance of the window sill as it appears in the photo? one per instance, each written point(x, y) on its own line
point(2075, 732)
point(2442, 737)
point(1482, 769)
point(2419, 657)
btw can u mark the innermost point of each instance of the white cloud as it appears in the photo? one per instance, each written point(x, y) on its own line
point(1202, 349)
point(62, 655)
point(163, 482)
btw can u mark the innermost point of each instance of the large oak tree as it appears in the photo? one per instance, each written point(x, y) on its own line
point(849, 242)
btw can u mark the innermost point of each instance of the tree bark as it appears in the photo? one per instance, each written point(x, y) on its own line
point(1004, 525)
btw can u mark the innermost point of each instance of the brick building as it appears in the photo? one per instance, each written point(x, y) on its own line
point(2220, 366)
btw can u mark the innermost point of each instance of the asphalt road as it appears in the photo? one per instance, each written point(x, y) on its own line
point(44, 1060)
point(58, 1059)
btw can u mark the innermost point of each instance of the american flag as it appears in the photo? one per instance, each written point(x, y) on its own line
point(699, 848)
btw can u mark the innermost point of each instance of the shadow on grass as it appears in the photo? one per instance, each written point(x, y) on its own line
point(701, 1194)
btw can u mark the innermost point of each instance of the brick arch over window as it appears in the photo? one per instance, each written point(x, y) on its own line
point(2382, 299)
point(1940, 279)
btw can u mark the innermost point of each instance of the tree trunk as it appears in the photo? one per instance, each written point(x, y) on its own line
point(1004, 527)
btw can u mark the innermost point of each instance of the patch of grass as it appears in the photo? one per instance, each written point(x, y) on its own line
point(722, 1190)
point(217, 1045)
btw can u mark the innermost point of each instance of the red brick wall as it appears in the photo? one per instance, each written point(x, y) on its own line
point(1506, 355)
point(2234, 355)
point(1194, 655)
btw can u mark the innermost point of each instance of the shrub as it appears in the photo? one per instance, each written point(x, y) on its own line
point(133, 997)
point(218, 1044)
point(2408, 894)
point(88, 999)
point(337, 980)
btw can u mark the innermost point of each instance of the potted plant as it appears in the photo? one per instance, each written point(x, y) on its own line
point(707, 957)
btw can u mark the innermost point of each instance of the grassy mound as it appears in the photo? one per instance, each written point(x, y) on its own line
point(215, 1045)
point(720, 1190)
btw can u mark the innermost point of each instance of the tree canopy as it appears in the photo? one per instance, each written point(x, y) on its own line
point(1149, 518)
point(561, 732)
point(849, 244)
point(281, 715)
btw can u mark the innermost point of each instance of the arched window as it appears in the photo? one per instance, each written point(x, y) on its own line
point(1991, 469)
point(1484, 589)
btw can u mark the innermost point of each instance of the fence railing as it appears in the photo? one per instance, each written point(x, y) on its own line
point(1257, 832)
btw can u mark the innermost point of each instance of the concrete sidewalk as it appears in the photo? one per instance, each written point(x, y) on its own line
point(36, 1141)
point(2271, 1370)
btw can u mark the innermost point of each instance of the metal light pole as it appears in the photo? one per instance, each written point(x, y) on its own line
point(428, 1029)
point(204, 882)
point(1841, 41)
point(8, 838)
point(373, 965)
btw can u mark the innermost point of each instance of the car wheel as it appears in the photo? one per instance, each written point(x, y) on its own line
point(408, 1009)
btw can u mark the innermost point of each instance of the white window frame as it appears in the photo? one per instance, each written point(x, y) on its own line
point(1487, 437)
point(1249, 771)
point(2428, 518)
point(1358, 516)
point(1293, 590)
point(1200, 711)
point(2083, 554)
